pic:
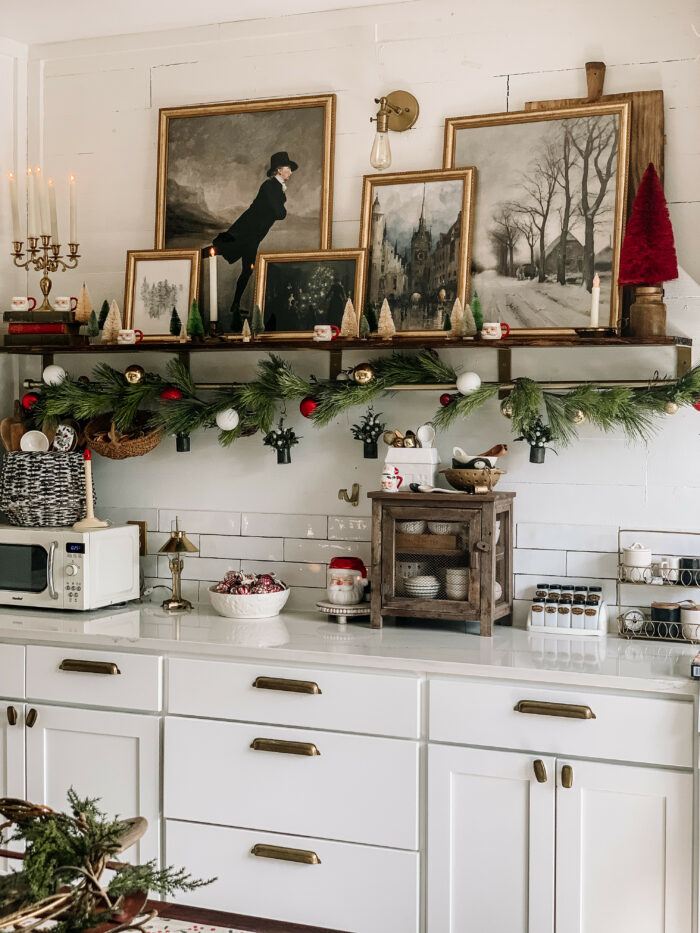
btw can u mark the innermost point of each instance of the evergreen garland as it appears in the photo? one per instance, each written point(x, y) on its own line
point(634, 410)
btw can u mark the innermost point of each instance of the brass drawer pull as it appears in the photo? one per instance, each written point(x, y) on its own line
point(286, 748)
point(540, 771)
point(567, 777)
point(564, 710)
point(32, 717)
point(288, 686)
point(305, 856)
point(12, 715)
point(89, 667)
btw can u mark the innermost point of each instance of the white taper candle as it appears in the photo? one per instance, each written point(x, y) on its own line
point(595, 300)
point(53, 216)
point(213, 288)
point(73, 203)
point(14, 207)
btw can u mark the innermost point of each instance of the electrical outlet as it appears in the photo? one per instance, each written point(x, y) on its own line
point(143, 539)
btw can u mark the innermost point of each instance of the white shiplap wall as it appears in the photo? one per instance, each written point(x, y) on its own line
point(93, 109)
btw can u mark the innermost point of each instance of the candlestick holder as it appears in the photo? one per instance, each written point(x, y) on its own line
point(45, 258)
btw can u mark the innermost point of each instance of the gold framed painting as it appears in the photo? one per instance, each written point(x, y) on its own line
point(549, 212)
point(241, 177)
point(159, 289)
point(297, 291)
point(416, 228)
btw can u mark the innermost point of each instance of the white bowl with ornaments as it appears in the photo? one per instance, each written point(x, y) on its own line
point(249, 596)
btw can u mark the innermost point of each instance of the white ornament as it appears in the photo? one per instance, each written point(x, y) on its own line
point(227, 419)
point(468, 383)
point(53, 375)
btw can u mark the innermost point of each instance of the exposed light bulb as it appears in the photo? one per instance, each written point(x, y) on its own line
point(380, 156)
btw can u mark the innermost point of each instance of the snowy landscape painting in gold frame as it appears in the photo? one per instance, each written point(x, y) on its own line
point(549, 212)
point(416, 228)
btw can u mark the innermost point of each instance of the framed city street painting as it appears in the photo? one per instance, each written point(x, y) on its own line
point(298, 290)
point(549, 211)
point(244, 177)
point(159, 289)
point(416, 228)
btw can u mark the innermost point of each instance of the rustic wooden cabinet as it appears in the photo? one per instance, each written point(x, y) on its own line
point(438, 556)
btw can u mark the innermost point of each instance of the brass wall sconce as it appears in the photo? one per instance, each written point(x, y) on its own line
point(178, 543)
point(398, 111)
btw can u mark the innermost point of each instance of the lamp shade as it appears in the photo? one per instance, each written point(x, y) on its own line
point(178, 543)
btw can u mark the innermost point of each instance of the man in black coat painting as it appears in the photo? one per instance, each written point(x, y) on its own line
point(243, 238)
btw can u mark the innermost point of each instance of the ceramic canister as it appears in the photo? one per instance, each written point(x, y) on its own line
point(690, 620)
point(636, 555)
point(347, 580)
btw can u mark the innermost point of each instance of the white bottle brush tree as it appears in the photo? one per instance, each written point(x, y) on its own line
point(113, 324)
point(385, 326)
point(349, 326)
point(84, 308)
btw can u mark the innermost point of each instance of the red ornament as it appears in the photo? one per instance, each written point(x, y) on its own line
point(308, 406)
point(696, 404)
point(648, 255)
point(84, 380)
point(445, 399)
point(170, 394)
point(29, 400)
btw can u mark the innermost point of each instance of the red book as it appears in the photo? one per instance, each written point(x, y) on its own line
point(37, 329)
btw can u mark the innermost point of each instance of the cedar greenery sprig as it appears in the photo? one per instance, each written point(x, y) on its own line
point(65, 857)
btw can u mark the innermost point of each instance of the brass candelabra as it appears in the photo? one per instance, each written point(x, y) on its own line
point(45, 258)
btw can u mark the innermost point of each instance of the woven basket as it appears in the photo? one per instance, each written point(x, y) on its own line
point(103, 437)
point(40, 488)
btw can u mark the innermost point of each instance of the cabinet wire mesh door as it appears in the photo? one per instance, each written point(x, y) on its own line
point(442, 558)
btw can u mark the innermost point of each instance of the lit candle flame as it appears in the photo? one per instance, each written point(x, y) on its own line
point(212, 252)
point(29, 171)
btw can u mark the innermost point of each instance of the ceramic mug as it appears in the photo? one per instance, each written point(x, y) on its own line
point(326, 332)
point(22, 304)
point(494, 330)
point(64, 303)
point(127, 335)
point(669, 566)
point(391, 480)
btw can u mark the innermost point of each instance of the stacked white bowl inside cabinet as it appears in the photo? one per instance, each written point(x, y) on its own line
point(422, 587)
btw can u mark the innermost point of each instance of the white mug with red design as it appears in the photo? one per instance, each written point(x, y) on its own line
point(391, 479)
point(494, 330)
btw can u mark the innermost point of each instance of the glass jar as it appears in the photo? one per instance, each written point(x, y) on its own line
point(591, 613)
point(596, 593)
point(564, 614)
point(554, 590)
point(550, 611)
point(541, 590)
point(537, 612)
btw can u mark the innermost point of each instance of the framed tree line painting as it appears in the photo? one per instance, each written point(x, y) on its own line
point(243, 177)
point(549, 211)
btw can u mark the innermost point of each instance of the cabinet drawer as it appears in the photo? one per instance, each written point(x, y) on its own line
point(625, 728)
point(350, 787)
point(107, 678)
point(378, 704)
point(12, 670)
point(351, 887)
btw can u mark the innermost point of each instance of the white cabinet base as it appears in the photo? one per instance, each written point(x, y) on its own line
point(365, 889)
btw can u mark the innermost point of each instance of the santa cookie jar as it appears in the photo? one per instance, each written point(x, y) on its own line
point(347, 581)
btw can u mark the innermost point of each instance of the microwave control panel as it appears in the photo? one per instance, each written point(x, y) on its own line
point(73, 574)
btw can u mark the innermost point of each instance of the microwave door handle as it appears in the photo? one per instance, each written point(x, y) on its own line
point(49, 570)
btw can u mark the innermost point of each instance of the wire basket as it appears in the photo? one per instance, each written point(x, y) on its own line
point(41, 488)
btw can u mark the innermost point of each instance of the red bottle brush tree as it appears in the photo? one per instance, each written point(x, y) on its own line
point(648, 253)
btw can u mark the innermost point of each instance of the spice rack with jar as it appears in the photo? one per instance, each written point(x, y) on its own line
point(664, 619)
point(568, 609)
point(442, 557)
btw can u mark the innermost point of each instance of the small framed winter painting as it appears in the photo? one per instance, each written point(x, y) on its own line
point(306, 293)
point(416, 228)
point(160, 287)
point(549, 213)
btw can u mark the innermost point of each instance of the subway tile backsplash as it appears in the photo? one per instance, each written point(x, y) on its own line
point(299, 548)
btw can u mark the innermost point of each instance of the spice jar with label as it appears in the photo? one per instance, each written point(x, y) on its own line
point(578, 612)
point(550, 612)
point(564, 613)
point(554, 590)
point(591, 613)
point(537, 612)
point(541, 591)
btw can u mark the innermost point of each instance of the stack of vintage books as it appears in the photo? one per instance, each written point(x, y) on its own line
point(41, 328)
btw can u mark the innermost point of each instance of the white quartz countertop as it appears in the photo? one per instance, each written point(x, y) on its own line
point(310, 639)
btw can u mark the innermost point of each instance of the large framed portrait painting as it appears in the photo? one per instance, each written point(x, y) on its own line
point(549, 211)
point(244, 177)
point(416, 227)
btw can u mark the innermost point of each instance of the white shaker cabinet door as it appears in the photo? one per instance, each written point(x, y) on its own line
point(11, 760)
point(113, 756)
point(490, 841)
point(624, 849)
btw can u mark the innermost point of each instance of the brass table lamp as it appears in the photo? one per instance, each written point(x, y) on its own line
point(177, 544)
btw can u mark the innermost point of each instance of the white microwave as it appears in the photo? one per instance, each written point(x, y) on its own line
point(59, 568)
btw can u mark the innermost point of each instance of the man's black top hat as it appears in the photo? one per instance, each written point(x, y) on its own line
point(278, 160)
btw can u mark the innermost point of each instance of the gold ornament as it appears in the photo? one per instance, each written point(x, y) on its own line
point(578, 417)
point(389, 437)
point(671, 408)
point(506, 409)
point(363, 374)
point(410, 441)
point(134, 374)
